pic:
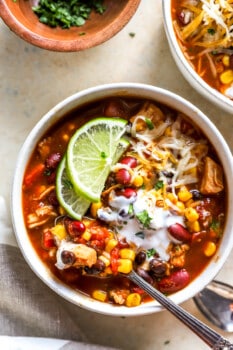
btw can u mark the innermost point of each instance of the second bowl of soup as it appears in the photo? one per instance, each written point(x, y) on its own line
point(200, 38)
point(122, 177)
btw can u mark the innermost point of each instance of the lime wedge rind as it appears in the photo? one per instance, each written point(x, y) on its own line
point(96, 138)
point(74, 204)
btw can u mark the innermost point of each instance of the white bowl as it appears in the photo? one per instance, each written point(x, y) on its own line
point(188, 72)
point(125, 89)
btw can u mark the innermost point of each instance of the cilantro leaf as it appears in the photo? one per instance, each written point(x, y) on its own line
point(144, 218)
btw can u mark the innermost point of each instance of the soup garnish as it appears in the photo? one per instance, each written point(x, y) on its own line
point(204, 30)
point(161, 211)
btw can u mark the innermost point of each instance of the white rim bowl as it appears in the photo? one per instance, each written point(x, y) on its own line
point(92, 94)
point(188, 72)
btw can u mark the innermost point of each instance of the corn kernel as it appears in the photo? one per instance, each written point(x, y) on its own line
point(86, 235)
point(127, 253)
point(61, 210)
point(138, 181)
point(111, 243)
point(172, 197)
point(227, 76)
point(59, 231)
point(209, 249)
point(99, 295)
point(133, 299)
point(65, 137)
point(226, 60)
point(94, 208)
point(125, 265)
point(108, 270)
point(191, 214)
point(105, 260)
point(184, 195)
point(180, 205)
point(195, 226)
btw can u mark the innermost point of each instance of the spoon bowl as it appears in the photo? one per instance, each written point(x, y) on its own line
point(216, 303)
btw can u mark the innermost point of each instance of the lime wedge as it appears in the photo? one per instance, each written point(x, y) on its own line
point(90, 155)
point(74, 204)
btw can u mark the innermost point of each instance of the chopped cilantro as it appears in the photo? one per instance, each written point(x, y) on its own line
point(67, 13)
point(132, 35)
point(144, 218)
point(159, 184)
point(130, 211)
point(211, 31)
point(150, 252)
point(140, 234)
point(149, 124)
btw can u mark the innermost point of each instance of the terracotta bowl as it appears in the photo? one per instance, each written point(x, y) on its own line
point(20, 18)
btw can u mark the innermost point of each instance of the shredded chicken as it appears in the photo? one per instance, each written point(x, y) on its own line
point(212, 181)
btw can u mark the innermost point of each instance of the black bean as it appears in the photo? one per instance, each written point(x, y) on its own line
point(157, 267)
point(196, 194)
point(145, 275)
point(140, 257)
point(67, 257)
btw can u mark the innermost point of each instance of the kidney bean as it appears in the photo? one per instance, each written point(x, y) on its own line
point(74, 228)
point(198, 236)
point(176, 281)
point(123, 177)
point(128, 192)
point(122, 243)
point(140, 257)
point(179, 232)
point(130, 161)
point(158, 267)
point(67, 257)
point(53, 160)
point(145, 275)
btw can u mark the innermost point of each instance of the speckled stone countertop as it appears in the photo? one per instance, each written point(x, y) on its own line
point(33, 80)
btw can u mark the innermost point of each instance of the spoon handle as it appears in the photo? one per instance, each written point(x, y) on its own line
point(208, 335)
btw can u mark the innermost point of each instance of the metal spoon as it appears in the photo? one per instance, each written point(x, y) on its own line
point(208, 335)
point(216, 303)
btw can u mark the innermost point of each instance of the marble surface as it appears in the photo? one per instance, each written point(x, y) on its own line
point(33, 80)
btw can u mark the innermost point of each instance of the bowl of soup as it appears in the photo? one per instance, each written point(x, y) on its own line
point(199, 33)
point(119, 177)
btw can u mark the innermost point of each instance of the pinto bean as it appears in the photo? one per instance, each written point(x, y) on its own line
point(179, 233)
point(176, 281)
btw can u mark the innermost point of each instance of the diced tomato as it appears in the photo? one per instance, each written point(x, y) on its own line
point(99, 233)
point(114, 256)
point(47, 240)
point(32, 175)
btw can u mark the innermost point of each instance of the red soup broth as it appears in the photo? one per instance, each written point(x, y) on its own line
point(195, 209)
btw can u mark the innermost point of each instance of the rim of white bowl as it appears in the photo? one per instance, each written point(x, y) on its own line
point(131, 89)
point(188, 72)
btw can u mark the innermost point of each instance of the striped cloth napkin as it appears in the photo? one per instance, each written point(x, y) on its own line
point(31, 315)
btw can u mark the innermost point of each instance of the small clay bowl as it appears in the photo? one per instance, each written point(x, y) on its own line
point(20, 18)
